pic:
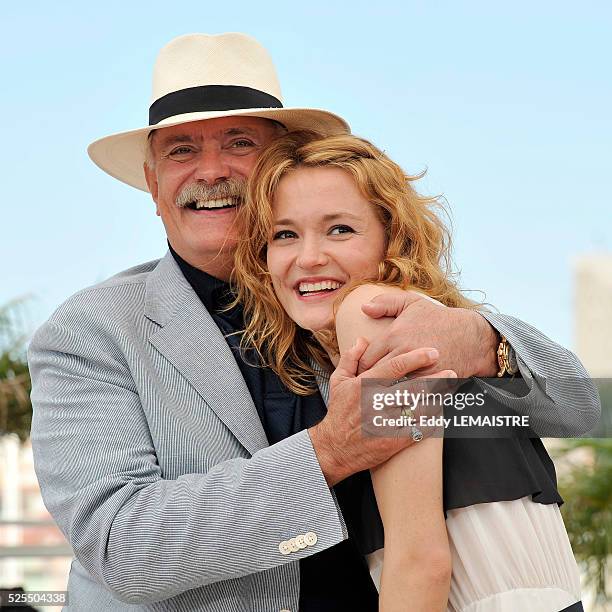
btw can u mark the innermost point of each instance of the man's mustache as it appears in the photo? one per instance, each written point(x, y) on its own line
point(234, 189)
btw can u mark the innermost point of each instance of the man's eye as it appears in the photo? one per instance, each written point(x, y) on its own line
point(180, 151)
point(242, 143)
point(341, 229)
point(284, 235)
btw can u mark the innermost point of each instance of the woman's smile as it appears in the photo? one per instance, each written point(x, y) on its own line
point(312, 288)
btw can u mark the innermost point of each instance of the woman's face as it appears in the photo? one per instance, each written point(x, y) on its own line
point(325, 235)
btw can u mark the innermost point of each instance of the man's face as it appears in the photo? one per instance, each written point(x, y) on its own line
point(198, 174)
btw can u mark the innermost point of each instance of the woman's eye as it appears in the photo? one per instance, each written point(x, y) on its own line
point(283, 235)
point(341, 229)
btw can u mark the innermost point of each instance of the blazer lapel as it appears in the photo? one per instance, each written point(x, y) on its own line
point(192, 342)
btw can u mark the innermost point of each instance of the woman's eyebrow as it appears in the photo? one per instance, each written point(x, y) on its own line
point(283, 222)
point(324, 218)
point(338, 215)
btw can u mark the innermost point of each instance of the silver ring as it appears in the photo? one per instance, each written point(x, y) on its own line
point(416, 434)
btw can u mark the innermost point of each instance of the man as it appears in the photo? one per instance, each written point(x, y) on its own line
point(176, 490)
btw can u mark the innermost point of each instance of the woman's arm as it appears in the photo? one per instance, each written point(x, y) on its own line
point(408, 489)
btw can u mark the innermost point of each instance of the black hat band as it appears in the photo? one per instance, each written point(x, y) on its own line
point(209, 98)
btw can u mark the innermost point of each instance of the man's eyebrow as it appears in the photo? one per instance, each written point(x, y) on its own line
point(176, 138)
point(238, 131)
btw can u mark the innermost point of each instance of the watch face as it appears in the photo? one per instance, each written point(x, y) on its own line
point(513, 367)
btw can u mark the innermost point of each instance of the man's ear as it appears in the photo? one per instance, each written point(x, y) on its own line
point(151, 178)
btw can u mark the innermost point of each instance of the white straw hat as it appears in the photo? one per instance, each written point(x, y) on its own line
point(203, 76)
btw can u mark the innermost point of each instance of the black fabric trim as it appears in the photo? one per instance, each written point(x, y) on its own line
point(577, 607)
point(210, 98)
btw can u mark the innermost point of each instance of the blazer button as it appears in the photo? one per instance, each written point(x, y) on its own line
point(310, 538)
point(284, 548)
point(293, 545)
point(301, 541)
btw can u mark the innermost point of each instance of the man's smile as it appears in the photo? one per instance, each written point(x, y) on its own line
point(216, 204)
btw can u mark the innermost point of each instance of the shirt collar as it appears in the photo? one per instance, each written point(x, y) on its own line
point(214, 293)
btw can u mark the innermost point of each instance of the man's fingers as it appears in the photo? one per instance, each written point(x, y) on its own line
point(349, 361)
point(401, 365)
point(439, 382)
point(389, 304)
point(430, 370)
point(365, 364)
point(377, 350)
point(442, 374)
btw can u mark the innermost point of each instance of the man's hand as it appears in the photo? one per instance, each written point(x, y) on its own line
point(338, 441)
point(465, 340)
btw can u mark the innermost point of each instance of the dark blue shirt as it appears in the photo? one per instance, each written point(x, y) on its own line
point(336, 578)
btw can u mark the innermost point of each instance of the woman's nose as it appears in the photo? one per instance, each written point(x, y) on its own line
point(311, 255)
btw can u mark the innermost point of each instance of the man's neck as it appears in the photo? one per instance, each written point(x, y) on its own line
point(220, 265)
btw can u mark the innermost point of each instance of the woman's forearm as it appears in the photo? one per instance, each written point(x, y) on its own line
point(416, 569)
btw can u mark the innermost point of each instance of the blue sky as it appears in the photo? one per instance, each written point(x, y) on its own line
point(508, 108)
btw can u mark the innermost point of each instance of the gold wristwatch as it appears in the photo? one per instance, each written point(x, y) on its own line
point(506, 359)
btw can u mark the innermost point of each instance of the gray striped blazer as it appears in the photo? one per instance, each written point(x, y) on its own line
point(153, 461)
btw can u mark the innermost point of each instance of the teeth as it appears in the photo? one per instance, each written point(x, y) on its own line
point(312, 287)
point(214, 203)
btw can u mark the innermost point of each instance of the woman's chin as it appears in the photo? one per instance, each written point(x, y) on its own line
point(316, 325)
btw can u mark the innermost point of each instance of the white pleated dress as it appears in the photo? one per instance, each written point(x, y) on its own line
point(508, 556)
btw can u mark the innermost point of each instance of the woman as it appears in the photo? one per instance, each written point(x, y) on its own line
point(328, 224)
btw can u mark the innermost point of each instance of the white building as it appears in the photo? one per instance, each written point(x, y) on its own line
point(593, 313)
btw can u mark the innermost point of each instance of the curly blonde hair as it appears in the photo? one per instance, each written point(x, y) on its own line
point(417, 245)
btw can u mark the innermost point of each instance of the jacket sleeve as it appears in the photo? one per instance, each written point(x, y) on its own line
point(558, 395)
point(143, 537)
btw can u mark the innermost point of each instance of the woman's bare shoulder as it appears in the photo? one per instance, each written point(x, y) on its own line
point(352, 323)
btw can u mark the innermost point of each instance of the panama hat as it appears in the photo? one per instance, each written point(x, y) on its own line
point(203, 76)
